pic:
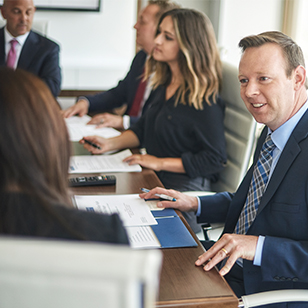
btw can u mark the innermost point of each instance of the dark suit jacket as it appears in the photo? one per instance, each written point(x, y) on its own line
point(282, 217)
point(39, 56)
point(124, 92)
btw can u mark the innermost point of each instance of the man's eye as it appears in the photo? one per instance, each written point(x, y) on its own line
point(243, 80)
point(264, 78)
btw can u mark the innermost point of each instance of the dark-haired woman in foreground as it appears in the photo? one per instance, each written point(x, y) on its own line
point(34, 160)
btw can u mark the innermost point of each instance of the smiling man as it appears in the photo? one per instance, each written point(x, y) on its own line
point(20, 47)
point(264, 245)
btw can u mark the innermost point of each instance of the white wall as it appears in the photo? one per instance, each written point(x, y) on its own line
point(96, 47)
point(239, 18)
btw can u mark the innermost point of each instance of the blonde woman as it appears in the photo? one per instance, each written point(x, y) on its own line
point(182, 129)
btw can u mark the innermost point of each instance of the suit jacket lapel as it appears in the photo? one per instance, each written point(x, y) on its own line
point(289, 154)
point(2, 47)
point(28, 51)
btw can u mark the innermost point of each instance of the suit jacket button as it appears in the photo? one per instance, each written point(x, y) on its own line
point(277, 278)
point(295, 279)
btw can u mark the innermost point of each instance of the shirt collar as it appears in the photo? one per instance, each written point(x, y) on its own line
point(20, 39)
point(282, 134)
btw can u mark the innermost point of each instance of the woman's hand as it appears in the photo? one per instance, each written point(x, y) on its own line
point(146, 160)
point(95, 144)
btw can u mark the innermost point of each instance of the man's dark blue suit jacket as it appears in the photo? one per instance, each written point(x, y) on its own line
point(282, 218)
point(124, 92)
point(39, 56)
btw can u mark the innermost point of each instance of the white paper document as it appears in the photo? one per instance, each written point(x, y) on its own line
point(132, 210)
point(142, 237)
point(77, 129)
point(102, 163)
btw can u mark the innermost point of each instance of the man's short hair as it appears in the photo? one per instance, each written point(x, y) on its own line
point(164, 5)
point(292, 52)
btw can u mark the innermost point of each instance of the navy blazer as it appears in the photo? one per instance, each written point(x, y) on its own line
point(124, 92)
point(39, 56)
point(282, 217)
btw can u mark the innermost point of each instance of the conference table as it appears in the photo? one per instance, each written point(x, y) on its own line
point(182, 284)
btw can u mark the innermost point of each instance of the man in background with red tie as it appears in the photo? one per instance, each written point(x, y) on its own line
point(132, 90)
point(264, 245)
point(20, 47)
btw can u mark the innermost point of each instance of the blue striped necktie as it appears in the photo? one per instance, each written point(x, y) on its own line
point(257, 186)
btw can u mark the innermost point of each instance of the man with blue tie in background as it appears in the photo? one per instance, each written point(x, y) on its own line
point(264, 245)
point(20, 47)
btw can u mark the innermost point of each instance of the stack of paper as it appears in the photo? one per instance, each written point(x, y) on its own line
point(78, 128)
point(147, 226)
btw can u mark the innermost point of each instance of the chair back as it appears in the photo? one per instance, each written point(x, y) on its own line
point(240, 129)
point(50, 273)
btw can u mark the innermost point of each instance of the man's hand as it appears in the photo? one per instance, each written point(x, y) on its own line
point(233, 246)
point(183, 202)
point(80, 108)
point(107, 120)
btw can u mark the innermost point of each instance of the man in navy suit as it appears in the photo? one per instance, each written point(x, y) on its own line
point(35, 53)
point(125, 91)
point(273, 253)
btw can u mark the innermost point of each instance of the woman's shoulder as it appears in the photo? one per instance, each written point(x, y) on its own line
point(24, 215)
point(94, 226)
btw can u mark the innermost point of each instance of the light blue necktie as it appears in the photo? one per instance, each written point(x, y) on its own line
point(256, 187)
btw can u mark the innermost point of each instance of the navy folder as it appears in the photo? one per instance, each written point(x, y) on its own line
point(171, 231)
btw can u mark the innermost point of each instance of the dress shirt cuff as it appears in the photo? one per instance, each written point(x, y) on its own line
point(84, 98)
point(126, 121)
point(258, 256)
point(199, 207)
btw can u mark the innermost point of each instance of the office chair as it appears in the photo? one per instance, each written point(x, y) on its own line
point(271, 297)
point(240, 131)
point(70, 274)
point(40, 26)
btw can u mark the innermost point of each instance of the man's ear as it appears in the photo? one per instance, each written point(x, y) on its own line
point(3, 12)
point(299, 77)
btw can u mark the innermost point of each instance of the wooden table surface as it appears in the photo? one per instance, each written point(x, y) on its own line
point(182, 284)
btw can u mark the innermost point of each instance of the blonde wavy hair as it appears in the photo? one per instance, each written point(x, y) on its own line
point(199, 59)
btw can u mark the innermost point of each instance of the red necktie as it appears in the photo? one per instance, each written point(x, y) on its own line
point(134, 111)
point(11, 57)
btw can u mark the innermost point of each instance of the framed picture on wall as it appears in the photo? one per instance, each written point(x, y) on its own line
point(67, 5)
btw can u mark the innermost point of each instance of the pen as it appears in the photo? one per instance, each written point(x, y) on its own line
point(161, 196)
point(93, 144)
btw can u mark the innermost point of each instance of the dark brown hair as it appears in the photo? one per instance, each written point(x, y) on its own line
point(34, 144)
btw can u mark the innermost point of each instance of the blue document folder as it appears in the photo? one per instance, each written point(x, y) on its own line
point(171, 231)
